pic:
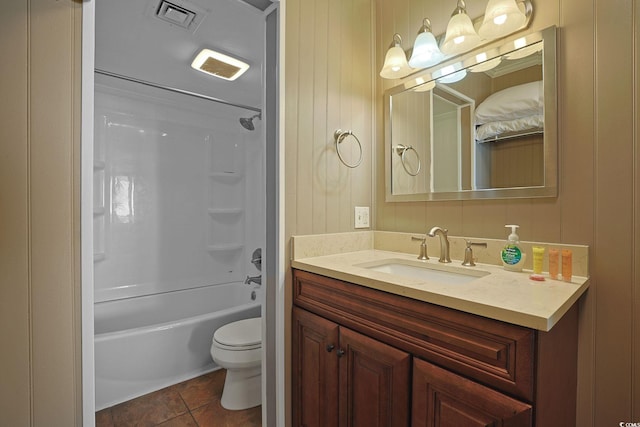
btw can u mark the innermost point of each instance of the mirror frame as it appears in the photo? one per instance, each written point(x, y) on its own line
point(550, 187)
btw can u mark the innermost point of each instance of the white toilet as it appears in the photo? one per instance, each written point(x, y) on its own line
point(237, 347)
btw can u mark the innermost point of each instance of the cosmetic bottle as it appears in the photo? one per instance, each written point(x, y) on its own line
point(538, 259)
point(567, 265)
point(511, 254)
point(554, 259)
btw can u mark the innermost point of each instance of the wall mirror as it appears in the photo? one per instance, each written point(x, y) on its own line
point(480, 126)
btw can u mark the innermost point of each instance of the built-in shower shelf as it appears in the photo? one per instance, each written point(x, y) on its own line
point(226, 176)
point(230, 247)
point(226, 211)
point(99, 165)
point(99, 256)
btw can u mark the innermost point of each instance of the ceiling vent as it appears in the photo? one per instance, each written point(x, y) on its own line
point(176, 14)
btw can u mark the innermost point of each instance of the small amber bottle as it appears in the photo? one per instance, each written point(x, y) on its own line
point(567, 265)
point(554, 259)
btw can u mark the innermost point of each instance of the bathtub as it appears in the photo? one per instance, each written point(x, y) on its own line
point(145, 343)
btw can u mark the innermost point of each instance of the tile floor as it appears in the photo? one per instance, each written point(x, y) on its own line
point(193, 403)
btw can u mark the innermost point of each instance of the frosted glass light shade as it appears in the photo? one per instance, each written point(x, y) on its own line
point(461, 36)
point(525, 51)
point(425, 49)
point(486, 65)
point(395, 62)
point(454, 77)
point(424, 87)
point(502, 17)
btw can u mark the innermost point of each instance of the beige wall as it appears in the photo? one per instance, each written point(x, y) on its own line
point(39, 164)
point(599, 197)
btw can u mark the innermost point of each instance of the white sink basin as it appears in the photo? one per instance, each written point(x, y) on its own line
point(440, 273)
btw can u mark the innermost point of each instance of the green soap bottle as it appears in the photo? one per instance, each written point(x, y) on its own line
point(511, 254)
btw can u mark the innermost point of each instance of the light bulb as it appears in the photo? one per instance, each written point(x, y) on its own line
point(500, 19)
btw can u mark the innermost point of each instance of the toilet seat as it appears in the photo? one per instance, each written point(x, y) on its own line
point(239, 336)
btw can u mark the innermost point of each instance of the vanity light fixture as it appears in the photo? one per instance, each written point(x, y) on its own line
point(502, 17)
point(482, 64)
point(453, 77)
point(423, 85)
point(460, 36)
point(425, 49)
point(395, 61)
point(450, 74)
point(219, 65)
point(524, 51)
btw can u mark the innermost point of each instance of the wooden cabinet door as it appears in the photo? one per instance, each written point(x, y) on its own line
point(314, 370)
point(374, 382)
point(443, 399)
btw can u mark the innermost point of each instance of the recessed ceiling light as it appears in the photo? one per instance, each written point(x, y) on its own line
point(219, 65)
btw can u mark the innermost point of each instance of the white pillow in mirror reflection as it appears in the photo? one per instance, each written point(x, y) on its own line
point(512, 103)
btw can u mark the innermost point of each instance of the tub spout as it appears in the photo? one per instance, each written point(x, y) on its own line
point(253, 279)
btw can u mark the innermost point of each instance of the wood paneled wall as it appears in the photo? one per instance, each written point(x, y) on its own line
point(39, 228)
point(328, 86)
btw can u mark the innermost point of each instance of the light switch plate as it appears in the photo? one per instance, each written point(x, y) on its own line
point(362, 217)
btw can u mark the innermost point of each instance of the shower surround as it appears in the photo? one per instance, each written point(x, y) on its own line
point(178, 207)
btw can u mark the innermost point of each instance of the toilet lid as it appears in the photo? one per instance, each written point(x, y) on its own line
point(243, 333)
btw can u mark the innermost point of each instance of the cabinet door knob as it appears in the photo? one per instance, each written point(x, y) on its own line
point(340, 353)
point(330, 347)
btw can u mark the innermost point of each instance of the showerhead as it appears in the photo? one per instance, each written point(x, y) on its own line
point(247, 122)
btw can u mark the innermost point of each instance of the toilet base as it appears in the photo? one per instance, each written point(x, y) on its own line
point(242, 389)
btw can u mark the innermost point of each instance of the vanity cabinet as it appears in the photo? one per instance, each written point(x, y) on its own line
point(345, 378)
point(362, 356)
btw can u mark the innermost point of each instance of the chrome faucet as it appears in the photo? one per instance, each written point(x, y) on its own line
point(444, 243)
point(255, 279)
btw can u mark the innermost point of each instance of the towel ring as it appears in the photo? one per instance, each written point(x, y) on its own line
point(340, 135)
point(401, 150)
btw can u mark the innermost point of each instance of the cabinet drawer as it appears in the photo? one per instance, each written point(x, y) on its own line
point(491, 352)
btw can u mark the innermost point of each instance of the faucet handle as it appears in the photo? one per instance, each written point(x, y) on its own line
point(468, 253)
point(423, 247)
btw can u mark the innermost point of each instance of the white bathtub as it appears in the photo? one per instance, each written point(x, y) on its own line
point(146, 343)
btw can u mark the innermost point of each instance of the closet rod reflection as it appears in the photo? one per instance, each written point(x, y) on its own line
point(176, 90)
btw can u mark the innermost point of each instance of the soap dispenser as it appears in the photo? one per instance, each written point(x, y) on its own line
point(512, 255)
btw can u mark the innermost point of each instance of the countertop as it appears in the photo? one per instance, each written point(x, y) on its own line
point(501, 295)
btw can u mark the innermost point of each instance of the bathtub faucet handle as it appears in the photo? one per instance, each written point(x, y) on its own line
point(253, 279)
